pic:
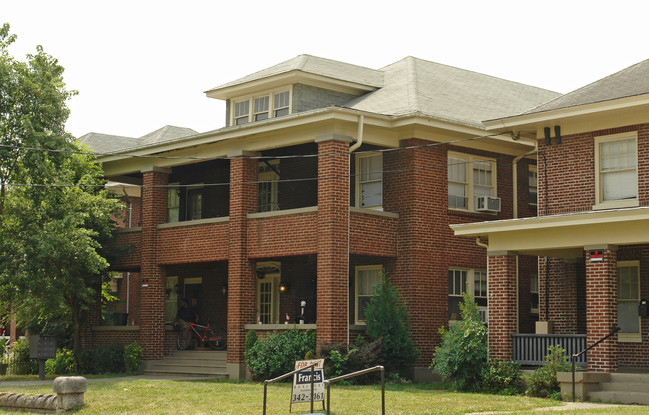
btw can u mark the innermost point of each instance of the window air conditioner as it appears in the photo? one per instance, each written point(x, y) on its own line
point(487, 204)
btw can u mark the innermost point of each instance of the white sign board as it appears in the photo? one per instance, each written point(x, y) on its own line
point(302, 382)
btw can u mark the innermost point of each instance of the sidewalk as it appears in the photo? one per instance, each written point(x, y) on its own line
point(5, 384)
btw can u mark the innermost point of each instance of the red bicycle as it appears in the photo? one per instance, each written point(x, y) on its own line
point(215, 338)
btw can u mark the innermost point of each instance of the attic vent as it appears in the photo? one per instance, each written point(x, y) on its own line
point(487, 204)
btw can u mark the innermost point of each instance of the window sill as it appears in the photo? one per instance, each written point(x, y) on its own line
point(269, 327)
point(629, 338)
point(616, 204)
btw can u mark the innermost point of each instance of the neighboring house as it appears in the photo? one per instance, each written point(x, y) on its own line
point(326, 175)
point(593, 223)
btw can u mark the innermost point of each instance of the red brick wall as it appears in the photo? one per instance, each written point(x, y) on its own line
point(571, 169)
point(194, 243)
point(502, 305)
point(373, 235)
point(282, 235)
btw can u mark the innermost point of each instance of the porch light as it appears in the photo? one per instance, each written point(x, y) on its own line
point(224, 290)
point(283, 287)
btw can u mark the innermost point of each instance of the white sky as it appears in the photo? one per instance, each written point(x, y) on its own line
point(140, 65)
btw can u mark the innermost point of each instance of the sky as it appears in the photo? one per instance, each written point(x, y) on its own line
point(139, 65)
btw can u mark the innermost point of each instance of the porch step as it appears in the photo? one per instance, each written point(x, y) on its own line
point(203, 363)
point(628, 388)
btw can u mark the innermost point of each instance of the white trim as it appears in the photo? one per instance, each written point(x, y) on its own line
point(360, 183)
point(470, 281)
point(613, 204)
point(630, 337)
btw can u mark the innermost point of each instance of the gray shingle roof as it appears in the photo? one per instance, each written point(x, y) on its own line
point(106, 143)
point(416, 86)
point(628, 82)
point(317, 66)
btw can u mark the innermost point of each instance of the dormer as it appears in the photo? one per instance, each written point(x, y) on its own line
point(301, 84)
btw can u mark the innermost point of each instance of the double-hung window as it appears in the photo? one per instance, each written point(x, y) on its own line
point(534, 294)
point(458, 282)
point(533, 185)
point(616, 171)
point(173, 204)
point(367, 277)
point(369, 180)
point(628, 298)
point(469, 177)
point(267, 104)
point(267, 192)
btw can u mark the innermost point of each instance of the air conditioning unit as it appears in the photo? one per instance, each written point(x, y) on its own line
point(487, 204)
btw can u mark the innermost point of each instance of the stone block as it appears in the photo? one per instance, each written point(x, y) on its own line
point(70, 390)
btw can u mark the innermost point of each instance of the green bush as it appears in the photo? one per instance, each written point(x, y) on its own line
point(101, 359)
point(133, 354)
point(276, 354)
point(502, 378)
point(543, 382)
point(19, 361)
point(463, 353)
point(386, 318)
point(251, 339)
point(62, 364)
point(341, 359)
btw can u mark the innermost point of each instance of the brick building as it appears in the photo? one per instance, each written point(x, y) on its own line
point(325, 174)
point(592, 233)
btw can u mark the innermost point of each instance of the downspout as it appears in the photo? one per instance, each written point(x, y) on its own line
point(128, 274)
point(357, 144)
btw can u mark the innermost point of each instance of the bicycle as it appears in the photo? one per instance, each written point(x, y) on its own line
point(215, 338)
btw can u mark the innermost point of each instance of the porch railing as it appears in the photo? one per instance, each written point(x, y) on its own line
point(531, 349)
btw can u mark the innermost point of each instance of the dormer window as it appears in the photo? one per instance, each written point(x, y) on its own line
point(269, 104)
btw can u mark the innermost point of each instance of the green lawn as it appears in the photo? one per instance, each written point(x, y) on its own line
point(222, 397)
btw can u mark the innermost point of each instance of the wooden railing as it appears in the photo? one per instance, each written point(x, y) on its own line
point(531, 349)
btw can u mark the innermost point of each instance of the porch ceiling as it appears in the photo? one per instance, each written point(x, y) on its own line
point(565, 235)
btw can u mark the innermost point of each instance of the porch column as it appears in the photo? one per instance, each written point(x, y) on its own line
point(152, 297)
point(241, 272)
point(502, 304)
point(333, 239)
point(601, 307)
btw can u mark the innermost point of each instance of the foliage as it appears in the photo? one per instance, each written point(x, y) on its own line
point(133, 355)
point(543, 382)
point(62, 364)
point(386, 318)
point(277, 353)
point(251, 339)
point(54, 210)
point(340, 359)
point(19, 361)
point(463, 353)
point(503, 378)
point(101, 359)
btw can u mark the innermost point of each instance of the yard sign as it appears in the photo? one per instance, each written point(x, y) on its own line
point(302, 382)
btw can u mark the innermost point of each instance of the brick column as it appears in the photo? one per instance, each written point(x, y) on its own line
point(502, 304)
point(418, 194)
point(333, 239)
point(152, 298)
point(601, 309)
point(241, 271)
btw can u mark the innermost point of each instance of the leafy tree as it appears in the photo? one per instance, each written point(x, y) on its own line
point(463, 353)
point(386, 318)
point(54, 211)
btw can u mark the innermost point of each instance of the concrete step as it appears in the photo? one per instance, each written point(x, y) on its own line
point(621, 397)
point(191, 362)
point(629, 377)
point(624, 387)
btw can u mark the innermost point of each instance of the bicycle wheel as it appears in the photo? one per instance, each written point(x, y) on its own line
point(220, 342)
point(184, 339)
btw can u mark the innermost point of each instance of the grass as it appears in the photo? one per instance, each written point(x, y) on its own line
point(229, 397)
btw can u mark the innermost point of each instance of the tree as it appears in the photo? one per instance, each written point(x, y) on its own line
point(54, 210)
point(386, 318)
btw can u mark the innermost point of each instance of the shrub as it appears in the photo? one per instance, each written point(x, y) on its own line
point(251, 339)
point(503, 378)
point(133, 354)
point(340, 359)
point(463, 353)
point(101, 359)
point(543, 382)
point(19, 361)
point(276, 354)
point(386, 318)
point(62, 364)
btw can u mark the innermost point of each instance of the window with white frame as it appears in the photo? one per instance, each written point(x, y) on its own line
point(267, 299)
point(267, 193)
point(628, 298)
point(173, 204)
point(533, 185)
point(369, 180)
point(469, 177)
point(534, 294)
point(367, 277)
point(458, 281)
point(616, 171)
point(268, 104)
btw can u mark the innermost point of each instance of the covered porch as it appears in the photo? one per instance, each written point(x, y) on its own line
point(592, 272)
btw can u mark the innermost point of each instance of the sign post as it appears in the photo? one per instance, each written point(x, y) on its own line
point(302, 383)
